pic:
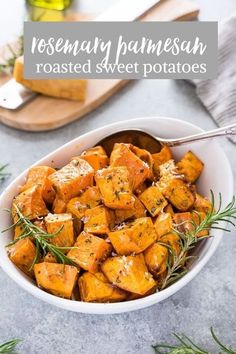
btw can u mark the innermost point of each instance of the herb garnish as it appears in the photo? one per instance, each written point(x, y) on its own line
point(9, 347)
point(189, 239)
point(41, 238)
point(3, 173)
point(187, 346)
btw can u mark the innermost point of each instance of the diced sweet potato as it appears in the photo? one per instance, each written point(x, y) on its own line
point(72, 178)
point(98, 220)
point(30, 203)
point(49, 258)
point(57, 279)
point(138, 211)
point(190, 166)
point(89, 252)
point(59, 206)
point(18, 231)
point(41, 224)
point(141, 188)
point(145, 156)
point(22, 254)
point(129, 273)
point(153, 200)
point(90, 198)
point(173, 240)
point(138, 169)
point(133, 296)
point(179, 194)
point(114, 185)
point(169, 209)
point(202, 204)
point(134, 238)
point(168, 170)
point(156, 257)
point(160, 158)
point(94, 289)
point(163, 224)
point(38, 175)
point(63, 222)
point(184, 222)
point(20, 228)
point(96, 157)
point(122, 241)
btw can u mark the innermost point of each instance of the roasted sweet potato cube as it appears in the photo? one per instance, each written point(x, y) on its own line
point(173, 240)
point(129, 273)
point(133, 296)
point(185, 222)
point(169, 209)
point(98, 220)
point(72, 178)
point(143, 232)
point(190, 166)
point(90, 198)
point(57, 279)
point(89, 252)
point(59, 206)
point(38, 175)
point(18, 230)
point(139, 170)
point(153, 200)
point(141, 188)
point(64, 223)
point(156, 257)
point(163, 224)
point(202, 204)
point(114, 185)
point(30, 203)
point(40, 223)
point(168, 173)
point(145, 156)
point(49, 258)
point(179, 194)
point(160, 158)
point(22, 254)
point(122, 241)
point(134, 238)
point(138, 211)
point(96, 157)
point(94, 289)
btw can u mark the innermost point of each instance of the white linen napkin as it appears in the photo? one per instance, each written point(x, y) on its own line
point(219, 95)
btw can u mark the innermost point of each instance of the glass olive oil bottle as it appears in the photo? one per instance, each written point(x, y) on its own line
point(50, 4)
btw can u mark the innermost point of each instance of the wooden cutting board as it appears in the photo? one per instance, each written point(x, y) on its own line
point(46, 113)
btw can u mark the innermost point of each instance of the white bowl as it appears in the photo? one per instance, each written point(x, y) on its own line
point(217, 176)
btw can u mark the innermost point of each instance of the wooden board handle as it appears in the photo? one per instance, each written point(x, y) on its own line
point(46, 113)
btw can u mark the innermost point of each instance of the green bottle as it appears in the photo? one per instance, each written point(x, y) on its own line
point(51, 4)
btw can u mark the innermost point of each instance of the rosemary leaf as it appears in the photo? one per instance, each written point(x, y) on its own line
point(9, 347)
point(186, 346)
point(3, 173)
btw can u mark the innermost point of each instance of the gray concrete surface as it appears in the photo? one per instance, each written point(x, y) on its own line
point(209, 300)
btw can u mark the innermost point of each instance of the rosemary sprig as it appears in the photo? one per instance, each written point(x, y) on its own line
point(188, 239)
point(3, 173)
point(41, 238)
point(187, 346)
point(9, 347)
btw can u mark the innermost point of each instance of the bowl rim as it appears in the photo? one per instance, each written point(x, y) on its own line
point(126, 306)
